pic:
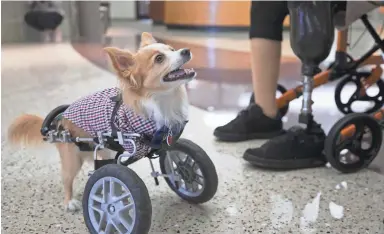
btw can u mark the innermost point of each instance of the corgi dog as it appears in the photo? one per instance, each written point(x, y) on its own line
point(152, 89)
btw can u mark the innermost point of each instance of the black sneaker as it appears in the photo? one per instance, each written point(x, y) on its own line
point(250, 123)
point(296, 149)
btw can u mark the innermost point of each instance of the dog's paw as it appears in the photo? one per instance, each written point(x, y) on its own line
point(72, 205)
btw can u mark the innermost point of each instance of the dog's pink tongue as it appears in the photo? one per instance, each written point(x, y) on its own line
point(179, 72)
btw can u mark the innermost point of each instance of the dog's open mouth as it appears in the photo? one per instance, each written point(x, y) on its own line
point(180, 74)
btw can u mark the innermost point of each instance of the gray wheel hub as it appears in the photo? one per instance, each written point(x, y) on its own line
point(111, 206)
point(192, 181)
point(186, 172)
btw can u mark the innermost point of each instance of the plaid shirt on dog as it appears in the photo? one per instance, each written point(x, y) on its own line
point(93, 114)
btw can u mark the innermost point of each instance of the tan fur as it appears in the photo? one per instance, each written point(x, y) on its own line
point(73, 129)
point(140, 81)
point(25, 130)
point(146, 39)
point(139, 76)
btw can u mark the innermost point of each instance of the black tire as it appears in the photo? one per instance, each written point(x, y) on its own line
point(205, 164)
point(331, 142)
point(137, 188)
point(48, 121)
point(284, 110)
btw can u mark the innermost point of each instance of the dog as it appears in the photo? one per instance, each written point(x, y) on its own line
point(152, 88)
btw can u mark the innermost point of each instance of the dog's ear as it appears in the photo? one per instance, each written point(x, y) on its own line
point(123, 62)
point(147, 39)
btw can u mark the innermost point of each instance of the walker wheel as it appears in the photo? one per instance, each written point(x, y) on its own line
point(374, 101)
point(198, 178)
point(116, 200)
point(280, 90)
point(351, 152)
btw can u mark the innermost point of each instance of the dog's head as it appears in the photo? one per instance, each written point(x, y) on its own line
point(154, 68)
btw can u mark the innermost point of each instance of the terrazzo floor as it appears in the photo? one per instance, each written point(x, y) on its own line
point(37, 78)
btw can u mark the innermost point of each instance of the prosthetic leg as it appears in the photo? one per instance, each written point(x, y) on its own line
point(312, 35)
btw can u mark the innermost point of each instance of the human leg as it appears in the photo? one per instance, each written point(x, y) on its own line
point(261, 120)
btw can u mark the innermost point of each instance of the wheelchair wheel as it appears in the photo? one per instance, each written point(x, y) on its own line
point(280, 90)
point(49, 121)
point(116, 200)
point(357, 150)
point(367, 99)
point(198, 178)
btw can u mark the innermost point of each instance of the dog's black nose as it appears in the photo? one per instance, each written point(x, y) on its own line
point(186, 52)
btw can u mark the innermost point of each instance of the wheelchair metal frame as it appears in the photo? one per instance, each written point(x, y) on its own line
point(101, 141)
point(343, 67)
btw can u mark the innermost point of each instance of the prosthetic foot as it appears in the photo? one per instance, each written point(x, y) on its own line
point(312, 35)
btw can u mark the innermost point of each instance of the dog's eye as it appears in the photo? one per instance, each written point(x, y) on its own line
point(159, 58)
point(172, 49)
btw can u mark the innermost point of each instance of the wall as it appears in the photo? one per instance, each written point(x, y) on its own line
point(123, 9)
point(12, 21)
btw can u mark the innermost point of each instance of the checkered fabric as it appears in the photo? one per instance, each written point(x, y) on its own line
point(93, 114)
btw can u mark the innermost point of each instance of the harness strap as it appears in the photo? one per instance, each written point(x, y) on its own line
point(113, 145)
point(118, 101)
point(156, 141)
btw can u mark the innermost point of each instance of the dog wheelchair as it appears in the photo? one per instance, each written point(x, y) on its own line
point(115, 199)
point(311, 41)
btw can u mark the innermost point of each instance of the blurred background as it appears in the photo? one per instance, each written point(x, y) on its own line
point(216, 32)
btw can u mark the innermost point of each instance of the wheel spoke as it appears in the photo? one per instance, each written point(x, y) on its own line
point(174, 157)
point(124, 222)
point(105, 190)
point(188, 160)
point(200, 176)
point(127, 207)
point(197, 180)
point(117, 227)
point(188, 186)
point(343, 145)
point(359, 129)
point(102, 220)
point(97, 209)
point(97, 198)
point(193, 165)
point(352, 98)
point(111, 188)
point(178, 157)
point(122, 197)
point(195, 186)
point(109, 226)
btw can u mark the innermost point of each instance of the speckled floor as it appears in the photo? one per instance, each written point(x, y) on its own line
point(37, 78)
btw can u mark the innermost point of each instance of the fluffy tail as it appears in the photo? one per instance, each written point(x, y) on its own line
point(25, 130)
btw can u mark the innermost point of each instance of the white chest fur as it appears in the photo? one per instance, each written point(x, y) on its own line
point(168, 108)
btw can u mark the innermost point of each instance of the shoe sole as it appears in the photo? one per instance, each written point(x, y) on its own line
point(228, 137)
point(290, 164)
